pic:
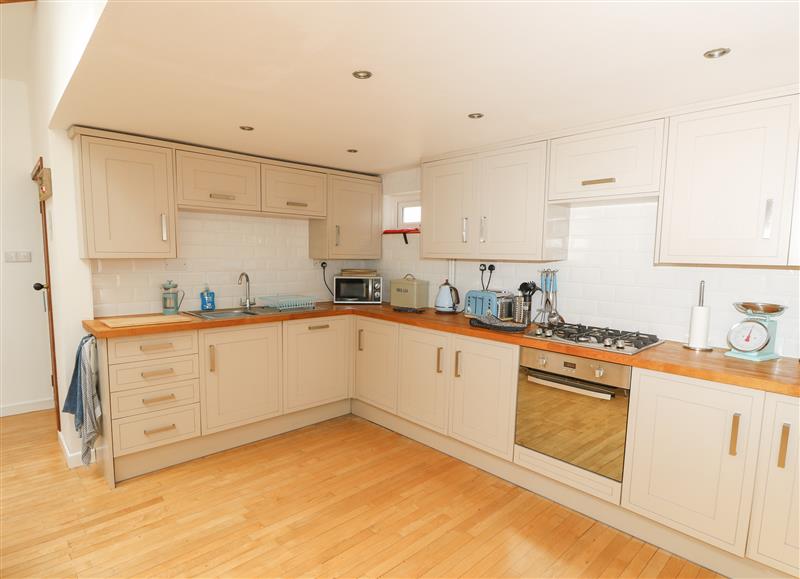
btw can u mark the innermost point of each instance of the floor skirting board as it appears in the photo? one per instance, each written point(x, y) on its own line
point(615, 516)
point(28, 406)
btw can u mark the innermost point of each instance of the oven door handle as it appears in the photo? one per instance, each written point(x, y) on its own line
point(574, 389)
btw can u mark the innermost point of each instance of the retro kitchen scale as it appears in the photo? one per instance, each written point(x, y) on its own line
point(754, 337)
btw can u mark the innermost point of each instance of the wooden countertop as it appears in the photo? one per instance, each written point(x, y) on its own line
point(781, 376)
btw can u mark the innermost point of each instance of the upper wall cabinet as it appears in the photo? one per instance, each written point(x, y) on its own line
point(730, 185)
point(209, 181)
point(293, 191)
point(622, 161)
point(352, 228)
point(492, 206)
point(128, 199)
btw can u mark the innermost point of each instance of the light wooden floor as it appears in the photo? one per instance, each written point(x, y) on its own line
point(342, 498)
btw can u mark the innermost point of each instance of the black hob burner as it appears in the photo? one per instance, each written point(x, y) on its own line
point(620, 341)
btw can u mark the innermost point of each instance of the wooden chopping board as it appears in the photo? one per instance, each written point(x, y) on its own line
point(150, 320)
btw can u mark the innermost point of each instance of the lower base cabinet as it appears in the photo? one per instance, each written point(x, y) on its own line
point(774, 525)
point(241, 376)
point(376, 363)
point(691, 454)
point(483, 395)
point(318, 361)
point(423, 382)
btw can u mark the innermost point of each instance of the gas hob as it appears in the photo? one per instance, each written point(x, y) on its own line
point(619, 341)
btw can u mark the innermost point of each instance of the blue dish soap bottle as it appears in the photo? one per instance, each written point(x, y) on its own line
point(207, 300)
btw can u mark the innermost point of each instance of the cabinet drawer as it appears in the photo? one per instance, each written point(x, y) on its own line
point(151, 347)
point(293, 191)
point(164, 371)
point(619, 161)
point(137, 433)
point(151, 398)
point(221, 182)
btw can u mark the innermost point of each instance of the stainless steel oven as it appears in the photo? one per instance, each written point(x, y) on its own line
point(573, 409)
point(357, 290)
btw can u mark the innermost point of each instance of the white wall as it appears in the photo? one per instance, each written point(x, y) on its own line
point(24, 348)
point(214, 249)
point(60, 33)
point(609, 278)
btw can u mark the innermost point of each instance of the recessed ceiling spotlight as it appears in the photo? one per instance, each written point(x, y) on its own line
point(475, 115)
point(352, 150)
point(362, 74)
point(716, 53)
point(246, 128)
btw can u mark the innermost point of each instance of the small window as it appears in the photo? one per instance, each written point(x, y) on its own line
point(409, 214)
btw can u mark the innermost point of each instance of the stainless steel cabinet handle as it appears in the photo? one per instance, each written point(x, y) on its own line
point(158, 373)
point(157, 399)
point(338, 235)
point(766, 231)
point(464, 222)
point(784, 446)
point(458, 364)
point(159, 430)
point(156, 347)
point(320, 327)
point(163, 227)
point(222, 196)
point(296, 204)
point(439, 360)
point(573, 389)
point(734, 433)
point(212, 359)
point(483, 230)
point(602, 181)
point(360, 340)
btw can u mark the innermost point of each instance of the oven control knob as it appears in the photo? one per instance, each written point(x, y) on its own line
point(542, 361)
point(539, 331)
point(548, 333)
point(608, 342)
point(620, 344)
point(377, 285)
point(598, 372)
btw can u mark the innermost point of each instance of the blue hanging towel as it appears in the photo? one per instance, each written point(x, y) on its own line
point(82, 398)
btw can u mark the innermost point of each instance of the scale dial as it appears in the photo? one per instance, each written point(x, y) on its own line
point(748, 336)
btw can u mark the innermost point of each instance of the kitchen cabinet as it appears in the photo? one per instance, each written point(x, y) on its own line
point(128, 199)
point(352, 228)
point(318, 360)
point(376, 363)
point(483, 394)
point(290, 191)
point(794, 241)
point(690, 456)
point(240, 375)
point(730, 185)
point(775, 522)
point(424, 377)
point(448, 213)
point(211, 181)
point(492, 206)
point(622, 161)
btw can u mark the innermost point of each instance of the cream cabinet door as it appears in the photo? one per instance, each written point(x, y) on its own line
point(690, 456)
point(128, 199)
point(376, 363)
point(424, 369)
point(511, 198)
point(318, 361)
point(483, 395)
point(730, 185)
point(352, 229)
point(609, 163)
point(774, 526)
point(240, 376)
point(293, 191)
point(449, 227)
point(218, 182)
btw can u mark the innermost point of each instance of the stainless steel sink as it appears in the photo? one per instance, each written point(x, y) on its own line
point(232, 313)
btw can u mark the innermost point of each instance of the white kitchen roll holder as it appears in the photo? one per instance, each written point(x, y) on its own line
point(698, 325)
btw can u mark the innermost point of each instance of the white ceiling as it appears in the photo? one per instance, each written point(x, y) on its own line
point(195, 71)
